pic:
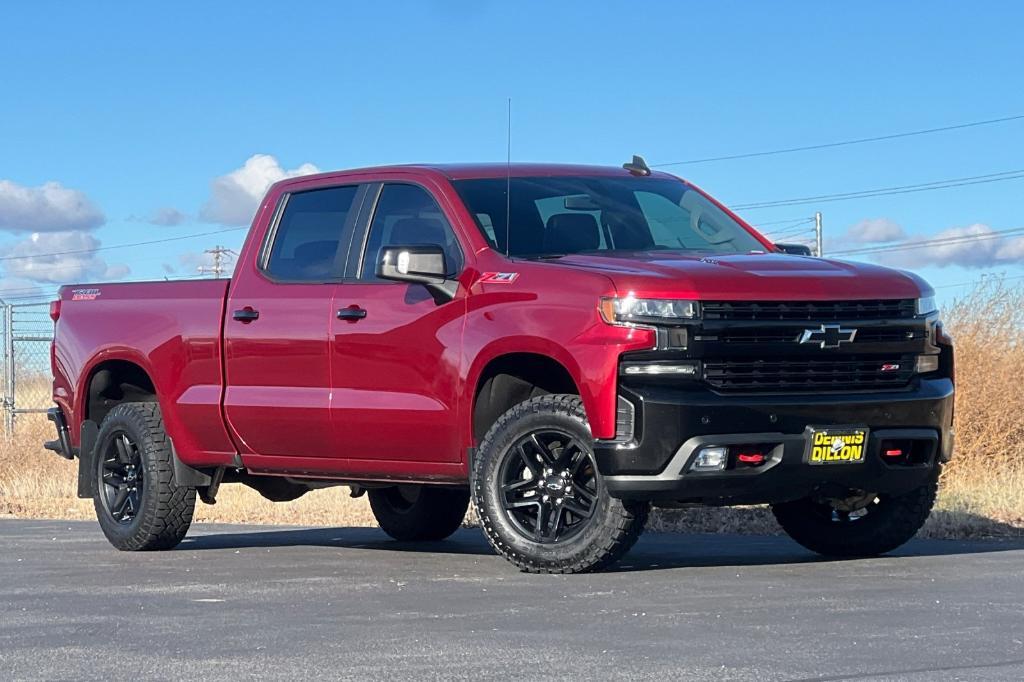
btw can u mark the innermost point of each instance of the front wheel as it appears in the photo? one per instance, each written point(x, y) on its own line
point(861, 525)
point(541, 501)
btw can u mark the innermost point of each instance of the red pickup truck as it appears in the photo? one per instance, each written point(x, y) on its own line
point(564, 345)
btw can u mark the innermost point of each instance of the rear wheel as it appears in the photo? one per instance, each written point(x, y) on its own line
point(542, 503)
point(137, 503)
point(419, 512)
point(863, 524)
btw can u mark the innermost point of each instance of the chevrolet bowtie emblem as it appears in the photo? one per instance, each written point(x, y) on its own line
point(828, 336)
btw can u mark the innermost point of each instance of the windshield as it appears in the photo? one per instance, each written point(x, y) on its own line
point(556, 216)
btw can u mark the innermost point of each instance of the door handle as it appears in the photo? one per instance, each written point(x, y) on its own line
point(246, 315)
point(353, 313)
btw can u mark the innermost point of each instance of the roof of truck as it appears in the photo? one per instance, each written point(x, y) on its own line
point(463, 171)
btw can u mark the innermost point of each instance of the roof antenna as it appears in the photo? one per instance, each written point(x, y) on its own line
point(637, 166)
point(508, 180)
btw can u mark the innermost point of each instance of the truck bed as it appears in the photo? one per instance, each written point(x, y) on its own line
point(172, 330)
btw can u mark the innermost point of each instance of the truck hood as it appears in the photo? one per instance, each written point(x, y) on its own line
point(763, 277)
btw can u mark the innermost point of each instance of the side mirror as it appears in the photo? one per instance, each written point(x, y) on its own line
point(795, 249)
point(422, 264)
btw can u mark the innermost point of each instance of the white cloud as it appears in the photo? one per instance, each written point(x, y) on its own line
point(59, 258)
point(874, 231)
point(167, 216)
point(1013, 250)
point(193, 260)
point(51, 207)
point(971, 253)
point(235, 197)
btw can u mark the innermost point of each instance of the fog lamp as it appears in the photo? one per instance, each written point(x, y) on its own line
point(927, 363)
point(710, 459)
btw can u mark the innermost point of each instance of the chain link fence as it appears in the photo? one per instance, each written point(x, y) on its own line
point(27, 333)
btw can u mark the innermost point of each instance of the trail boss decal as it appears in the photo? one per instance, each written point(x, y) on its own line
point(837, 446)
point(84, 294)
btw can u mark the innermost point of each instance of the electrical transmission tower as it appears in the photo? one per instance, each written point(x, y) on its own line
point(222, 258)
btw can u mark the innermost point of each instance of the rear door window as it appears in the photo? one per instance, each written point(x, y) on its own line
point(310, 234)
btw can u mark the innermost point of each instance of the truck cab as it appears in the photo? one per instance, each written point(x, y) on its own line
point(564, 345)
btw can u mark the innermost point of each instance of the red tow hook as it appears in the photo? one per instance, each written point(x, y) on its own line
point(751, 458)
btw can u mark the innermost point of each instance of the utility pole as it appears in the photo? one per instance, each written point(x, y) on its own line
point(222, 258)
point(817, 234)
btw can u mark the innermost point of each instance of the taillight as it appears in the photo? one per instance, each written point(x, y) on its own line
point(55, 310)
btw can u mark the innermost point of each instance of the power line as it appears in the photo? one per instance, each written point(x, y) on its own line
point(939, 241)
point(827, 145)
point(979, 281)
point(801, 229)
point(789, 237)
point(785, 222)
point(48, 292)
point(121, 246)
point(885, 191)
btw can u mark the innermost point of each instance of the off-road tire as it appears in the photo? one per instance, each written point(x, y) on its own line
point(613, 529)
point(165, 511)
point(889, 523)
point(433, 513)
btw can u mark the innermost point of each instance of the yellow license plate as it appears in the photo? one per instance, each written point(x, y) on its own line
point(837, 446)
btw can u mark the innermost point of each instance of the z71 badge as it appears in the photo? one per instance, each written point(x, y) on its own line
point(499, 277)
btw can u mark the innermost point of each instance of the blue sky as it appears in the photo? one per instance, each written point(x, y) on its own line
point(145, 114)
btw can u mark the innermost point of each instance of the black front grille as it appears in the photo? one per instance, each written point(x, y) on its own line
point(809, 310)
point(768, 334)
point(849, 373)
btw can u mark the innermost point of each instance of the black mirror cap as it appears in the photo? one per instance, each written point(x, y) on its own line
point(418, 264)
point(795, 249)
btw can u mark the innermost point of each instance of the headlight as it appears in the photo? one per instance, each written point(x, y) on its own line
point(646, 310)
point(926, 304)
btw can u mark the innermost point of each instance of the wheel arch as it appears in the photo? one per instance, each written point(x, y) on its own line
point(111, 379)
point(511, 376)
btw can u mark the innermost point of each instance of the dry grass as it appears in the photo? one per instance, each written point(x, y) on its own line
point(982, 490)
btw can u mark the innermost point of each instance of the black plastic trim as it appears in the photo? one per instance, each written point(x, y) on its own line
point(784, 477)
point(62, 446)
point(667, 417)
point(184, 475)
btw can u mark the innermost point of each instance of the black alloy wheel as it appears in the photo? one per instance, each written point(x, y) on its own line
point(549, 486)
point(122, 479)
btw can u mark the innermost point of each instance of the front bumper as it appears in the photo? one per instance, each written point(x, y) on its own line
point(671, 425)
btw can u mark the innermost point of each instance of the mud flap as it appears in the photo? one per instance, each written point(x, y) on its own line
point(87, 459)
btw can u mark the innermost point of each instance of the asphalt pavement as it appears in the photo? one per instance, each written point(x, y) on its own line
point(237, 602)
